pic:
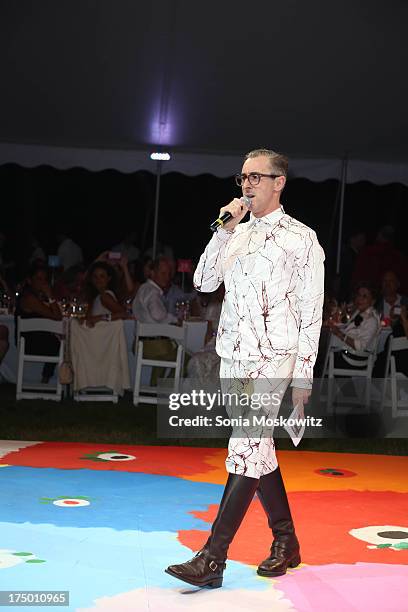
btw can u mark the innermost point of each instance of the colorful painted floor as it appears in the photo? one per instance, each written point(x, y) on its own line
point(103, 521)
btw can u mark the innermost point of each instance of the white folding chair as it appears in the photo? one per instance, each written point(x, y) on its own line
point(361, 366)
point(96, 394)
point(399, 405)
point(26, 390)
point(148, 394)
point(195, 336)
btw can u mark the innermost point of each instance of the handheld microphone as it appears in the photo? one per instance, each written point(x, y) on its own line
point(227, 215)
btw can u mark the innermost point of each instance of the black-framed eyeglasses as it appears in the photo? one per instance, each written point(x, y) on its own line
point(254, 178)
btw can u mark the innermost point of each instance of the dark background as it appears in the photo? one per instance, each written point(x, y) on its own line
point(97, 208)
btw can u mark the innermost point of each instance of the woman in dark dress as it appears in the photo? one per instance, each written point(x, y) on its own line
point(37, 301)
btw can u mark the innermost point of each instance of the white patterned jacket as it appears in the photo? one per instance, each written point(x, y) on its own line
point(273, 272)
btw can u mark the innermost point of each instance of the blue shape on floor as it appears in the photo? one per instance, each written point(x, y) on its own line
point(121, 542)
point(121, 500)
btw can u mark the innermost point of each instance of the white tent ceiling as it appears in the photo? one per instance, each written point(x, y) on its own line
point(99, 83)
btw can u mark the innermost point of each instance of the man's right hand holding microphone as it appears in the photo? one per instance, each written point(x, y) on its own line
point(237, 208)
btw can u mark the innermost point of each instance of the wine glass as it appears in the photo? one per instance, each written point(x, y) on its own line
point(80, 311)
point(63, 304)
point(74, 307)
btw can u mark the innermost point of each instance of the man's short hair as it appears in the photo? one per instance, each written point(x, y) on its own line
point(279, 163)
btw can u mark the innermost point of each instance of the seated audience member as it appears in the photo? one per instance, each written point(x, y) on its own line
point(149, 305)
point(205, 364)
point(71, 284)
point(361, 332)
point(390, 298)
point(101, 286)
point(69, 253)
point(174, 293)
point(37, 301)
point(126, 286)
point(389, 307)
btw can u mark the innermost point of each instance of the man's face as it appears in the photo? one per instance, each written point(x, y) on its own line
point(162, 276)
point(390, 283)
point(265, 195)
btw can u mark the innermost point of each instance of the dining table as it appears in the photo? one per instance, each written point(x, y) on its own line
point(195, 338)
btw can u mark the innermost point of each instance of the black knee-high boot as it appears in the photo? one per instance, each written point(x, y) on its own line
point(207, 567)
point(285, 547)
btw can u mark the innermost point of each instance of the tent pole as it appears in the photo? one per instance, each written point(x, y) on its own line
point(156, 208)
point(341, 213)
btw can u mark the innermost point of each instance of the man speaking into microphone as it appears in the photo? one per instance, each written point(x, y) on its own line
point(268, 334)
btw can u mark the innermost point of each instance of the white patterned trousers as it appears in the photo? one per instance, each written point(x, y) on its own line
point(251, 448)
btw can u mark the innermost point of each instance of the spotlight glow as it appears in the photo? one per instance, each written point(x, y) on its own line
point(159, 156)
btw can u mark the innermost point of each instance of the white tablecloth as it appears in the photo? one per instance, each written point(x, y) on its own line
point(196, 331)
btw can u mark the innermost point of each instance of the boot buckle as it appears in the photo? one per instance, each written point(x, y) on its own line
point(213, 566)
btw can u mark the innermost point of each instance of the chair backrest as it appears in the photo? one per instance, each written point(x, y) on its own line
point(195, 335)
point(337, 345)
point(394, 345)
point(165, 330)
point(39, 324)
point(363, 361)
point(354, 358)
point(398, 344)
